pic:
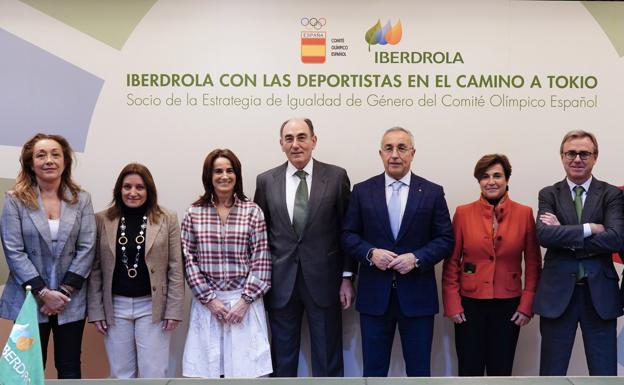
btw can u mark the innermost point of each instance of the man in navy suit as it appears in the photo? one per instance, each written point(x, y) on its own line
point(398, 227)
point(581, 223)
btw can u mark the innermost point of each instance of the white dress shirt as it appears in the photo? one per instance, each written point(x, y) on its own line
point(403, 192)
point(292, 182)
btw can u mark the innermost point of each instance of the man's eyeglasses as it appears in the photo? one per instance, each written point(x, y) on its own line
point(401, 149)
point(571, 155)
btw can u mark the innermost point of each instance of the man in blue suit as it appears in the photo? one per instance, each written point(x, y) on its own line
point(581, 223)
point(398, 227)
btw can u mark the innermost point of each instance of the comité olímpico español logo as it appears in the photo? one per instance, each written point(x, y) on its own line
point(388, 34)
point(313, 40)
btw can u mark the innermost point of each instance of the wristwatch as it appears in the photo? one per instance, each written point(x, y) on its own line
point(248, 300)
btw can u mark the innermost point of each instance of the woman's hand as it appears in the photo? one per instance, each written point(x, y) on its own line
point(520, 319)
point(101, 327)
point(170, 324)
point(218, 309)
point(458, 318)
point(53, 302)
point(237, 312)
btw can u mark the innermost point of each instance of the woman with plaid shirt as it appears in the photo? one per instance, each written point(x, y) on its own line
point(228, 268)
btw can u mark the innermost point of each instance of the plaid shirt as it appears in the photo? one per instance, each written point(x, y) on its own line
point(229, 256)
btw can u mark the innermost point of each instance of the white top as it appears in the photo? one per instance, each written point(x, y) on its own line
point(292, 182)
point(403, 191)
point(54, 228)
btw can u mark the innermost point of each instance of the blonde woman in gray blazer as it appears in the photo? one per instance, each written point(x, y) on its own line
point(136, 288)
point(48, 236)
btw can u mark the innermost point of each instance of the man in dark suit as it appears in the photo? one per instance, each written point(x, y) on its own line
point(310, 271)
point(581, 223)
point(398, 227)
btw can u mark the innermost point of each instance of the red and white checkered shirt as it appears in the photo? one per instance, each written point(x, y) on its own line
point(229, 256)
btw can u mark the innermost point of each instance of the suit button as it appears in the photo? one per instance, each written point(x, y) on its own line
point(491, 258)
point(152, 270)
point(153, 288)
point(499, 237)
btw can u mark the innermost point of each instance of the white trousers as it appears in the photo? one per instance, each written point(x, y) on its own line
point(232, 350)
point(136, 346)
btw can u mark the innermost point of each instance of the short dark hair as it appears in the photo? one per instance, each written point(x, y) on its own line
point(306, 120)
point(490, 160)
point(153, 211)
point(579, 134)
point(209, 192)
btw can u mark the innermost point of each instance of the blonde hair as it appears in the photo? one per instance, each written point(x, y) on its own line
point(25, 188)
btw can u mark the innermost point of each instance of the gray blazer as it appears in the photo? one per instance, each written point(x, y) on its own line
point(27, 245)
point(566, 247)
point(317, 249)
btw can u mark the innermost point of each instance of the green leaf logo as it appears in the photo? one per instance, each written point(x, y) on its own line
point(370, 34)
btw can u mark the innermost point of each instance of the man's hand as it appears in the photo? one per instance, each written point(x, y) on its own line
point(381, 258)
point(347, 294)
point(403, 263)
point(549, 219)
point(596, 228)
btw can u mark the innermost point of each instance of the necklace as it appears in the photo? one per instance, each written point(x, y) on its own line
point(138, 241)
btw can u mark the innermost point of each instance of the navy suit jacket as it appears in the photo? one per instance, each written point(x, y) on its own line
point(566, 246)
point(425, 231)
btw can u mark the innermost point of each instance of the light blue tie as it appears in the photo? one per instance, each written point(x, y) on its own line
point(394, 208)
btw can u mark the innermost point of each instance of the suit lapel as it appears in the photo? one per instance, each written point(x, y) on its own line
point(40, 220)
point(413, 202)
point(591, 200)
point(279, 189)
point(379, 195)
point(152, 233)
point(568, 211)
point(68, 218)
point(317, 191)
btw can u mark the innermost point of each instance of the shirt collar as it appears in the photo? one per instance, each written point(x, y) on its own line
point(291, 169)
point(572, 185)
point(406, 179)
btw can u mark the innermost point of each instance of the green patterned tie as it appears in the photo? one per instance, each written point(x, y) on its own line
point(301, 202)
point(578, 205)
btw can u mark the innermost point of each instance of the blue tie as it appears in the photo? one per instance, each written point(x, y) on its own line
point(394, 208)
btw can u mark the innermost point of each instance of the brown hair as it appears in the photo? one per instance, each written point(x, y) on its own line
point(153, 211)
point(25, 188)
point(207, 197)
point(307, 121)
point(490, 160)
point(579, 134)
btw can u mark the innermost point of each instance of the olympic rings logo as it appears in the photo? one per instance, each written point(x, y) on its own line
point(313, 22)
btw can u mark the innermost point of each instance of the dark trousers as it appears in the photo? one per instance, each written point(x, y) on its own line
point(486, 342)
point(377, 336)
point(599, 338)
point(67, 346)
point(325, 325)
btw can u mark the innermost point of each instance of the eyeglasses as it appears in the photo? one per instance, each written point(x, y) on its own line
point(401, 149)
point(571, 155)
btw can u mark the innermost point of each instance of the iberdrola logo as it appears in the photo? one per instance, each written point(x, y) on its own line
point(21, 337)
point(387, 34)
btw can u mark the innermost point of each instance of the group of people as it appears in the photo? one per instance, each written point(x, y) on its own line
point(298, 247)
